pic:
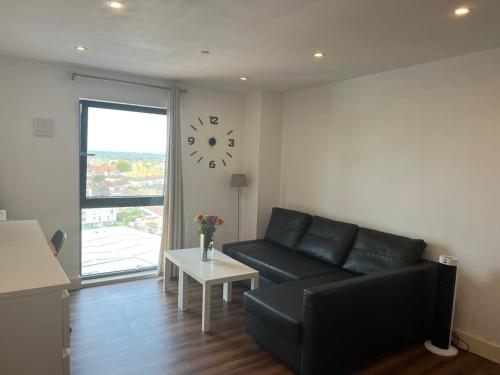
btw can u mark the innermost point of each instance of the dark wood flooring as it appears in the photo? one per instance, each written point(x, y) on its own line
point(132, 328)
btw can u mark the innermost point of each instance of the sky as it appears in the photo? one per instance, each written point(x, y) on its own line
point(125, 131)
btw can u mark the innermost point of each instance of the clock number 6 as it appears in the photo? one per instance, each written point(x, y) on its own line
point(231, 142)
point(191, 141)
point(211, 164)
point(214, 120)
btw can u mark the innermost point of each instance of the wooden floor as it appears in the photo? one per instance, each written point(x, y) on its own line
point(133, 328)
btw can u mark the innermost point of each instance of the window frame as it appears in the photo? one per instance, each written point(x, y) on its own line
point(104, 202)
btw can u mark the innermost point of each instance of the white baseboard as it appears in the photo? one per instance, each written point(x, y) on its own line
point(479, 346)
point(76, 283)
point(87, 283)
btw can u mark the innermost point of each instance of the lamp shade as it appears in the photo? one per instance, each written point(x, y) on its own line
point(239, 180)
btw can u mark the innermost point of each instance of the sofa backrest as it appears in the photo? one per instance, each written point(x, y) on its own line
point(328, 240)
point(375, 251)
point(287, 227)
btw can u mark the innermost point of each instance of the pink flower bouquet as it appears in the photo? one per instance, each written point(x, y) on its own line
point(207, 227)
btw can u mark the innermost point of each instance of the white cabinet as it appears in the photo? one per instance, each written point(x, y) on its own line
point(66, 332)
point(66, 355)
point(34, 311)
point(65, 319)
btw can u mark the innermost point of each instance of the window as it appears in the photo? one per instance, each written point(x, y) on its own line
point(122, 164)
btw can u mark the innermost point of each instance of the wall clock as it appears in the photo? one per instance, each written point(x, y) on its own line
point(210, 144)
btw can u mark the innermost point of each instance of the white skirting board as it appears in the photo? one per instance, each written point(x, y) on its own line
point(479, 346)
point(76, 283)
point(118, 279)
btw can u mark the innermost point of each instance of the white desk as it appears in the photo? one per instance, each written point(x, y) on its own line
point(34, 331)
point(220, 269)
point(20, 232)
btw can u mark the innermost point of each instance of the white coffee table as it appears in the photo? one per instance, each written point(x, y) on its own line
point(219, 269)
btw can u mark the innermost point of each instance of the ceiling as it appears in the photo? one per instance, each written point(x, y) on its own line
point(270, 41)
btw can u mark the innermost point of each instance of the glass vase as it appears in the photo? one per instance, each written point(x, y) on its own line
point(206, 241)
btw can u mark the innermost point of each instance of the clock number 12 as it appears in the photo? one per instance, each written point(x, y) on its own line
point(214, 120)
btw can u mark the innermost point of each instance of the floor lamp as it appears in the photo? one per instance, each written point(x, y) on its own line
point(239, 181)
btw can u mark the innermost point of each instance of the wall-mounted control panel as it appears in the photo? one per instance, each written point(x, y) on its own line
point(43, 127)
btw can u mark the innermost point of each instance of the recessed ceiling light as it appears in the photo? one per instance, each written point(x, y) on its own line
point(81, 48)
point(462, 11)
point(319, 54)
point(205, 52)
point(116, 4)
point(244, 78)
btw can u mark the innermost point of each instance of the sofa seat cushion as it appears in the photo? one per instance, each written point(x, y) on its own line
point(375, 251)
point(279, 307)
point(276, 263)
point(328, 240)
point(286, 227)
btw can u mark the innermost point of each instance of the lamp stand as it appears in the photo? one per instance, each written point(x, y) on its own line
point(238, 213)
point(238, 180)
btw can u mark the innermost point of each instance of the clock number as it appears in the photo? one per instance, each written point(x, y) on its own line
point(211, 164)
point(191, 141)
point(214, 120)
point(231, 142)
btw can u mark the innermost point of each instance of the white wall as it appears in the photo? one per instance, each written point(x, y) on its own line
point(250, 194)
point(262, 162)
point(207, 190)
point(269, 158)
point(413, 151)
point(39, 176)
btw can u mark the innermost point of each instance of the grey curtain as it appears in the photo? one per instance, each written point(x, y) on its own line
point(173, 211)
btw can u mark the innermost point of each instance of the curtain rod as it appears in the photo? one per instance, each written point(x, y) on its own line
point(75, 75)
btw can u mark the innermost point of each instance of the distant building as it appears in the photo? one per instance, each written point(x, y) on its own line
point(98, 217)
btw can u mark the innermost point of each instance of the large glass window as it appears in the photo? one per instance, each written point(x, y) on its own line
point(122, 164)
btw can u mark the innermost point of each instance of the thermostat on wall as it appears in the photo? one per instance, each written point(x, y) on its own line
point(43, 127)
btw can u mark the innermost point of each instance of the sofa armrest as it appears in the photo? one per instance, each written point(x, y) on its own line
point(348, 322)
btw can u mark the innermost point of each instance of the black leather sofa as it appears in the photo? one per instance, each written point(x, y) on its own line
point(334, 296)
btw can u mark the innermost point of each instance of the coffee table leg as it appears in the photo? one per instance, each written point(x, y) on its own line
point(167, 274)
point(183, 291)
point(227, 291)
point(205, 312)
point(254, 284)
